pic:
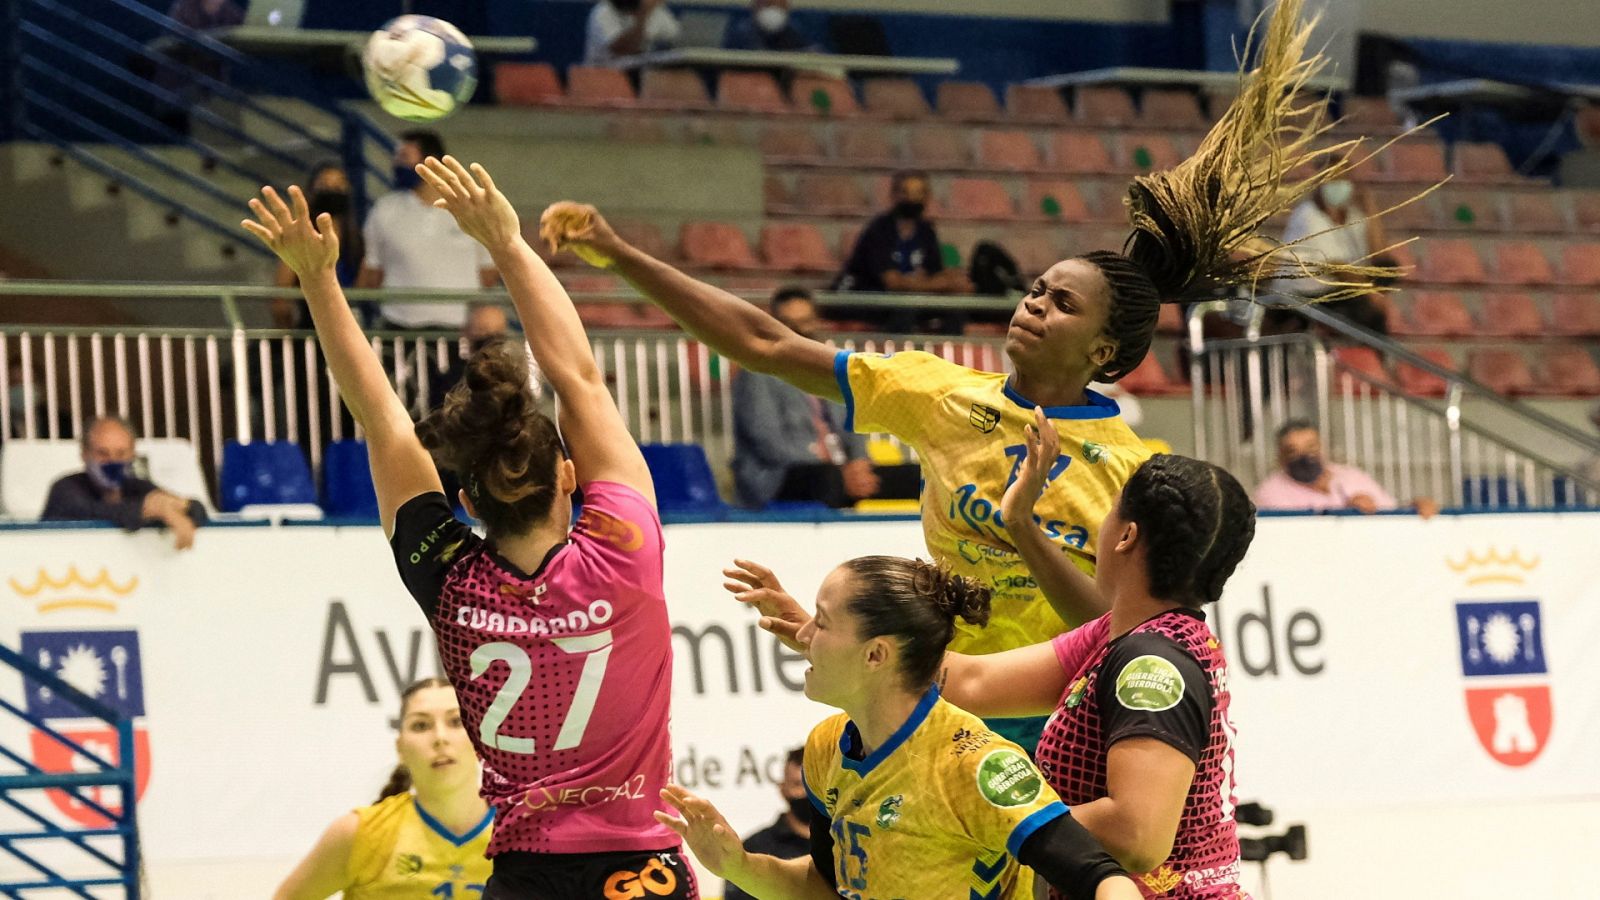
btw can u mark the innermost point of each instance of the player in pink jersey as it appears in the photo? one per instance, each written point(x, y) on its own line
point(557, 641)
point(1140, 745)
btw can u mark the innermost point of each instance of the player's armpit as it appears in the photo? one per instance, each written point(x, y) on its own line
point(1027, 681)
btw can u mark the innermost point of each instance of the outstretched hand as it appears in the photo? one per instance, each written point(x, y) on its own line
point(704, 829)
point(1043, 445)
point(483, 213)
point(287, 230)
point(580, 228)
point(755, 586)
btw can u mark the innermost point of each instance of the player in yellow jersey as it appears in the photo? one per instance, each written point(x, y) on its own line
point(1194, 229)
point(426, 835)
point(911, 797)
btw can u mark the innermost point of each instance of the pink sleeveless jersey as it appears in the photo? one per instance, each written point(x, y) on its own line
point(1072, 752)
point(564, 676)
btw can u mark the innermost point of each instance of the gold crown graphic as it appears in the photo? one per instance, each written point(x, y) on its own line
point(1493, 567)
point(73, 591)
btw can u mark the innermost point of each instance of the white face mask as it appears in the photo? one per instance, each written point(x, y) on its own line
point(1337, 194)
point(772, 18)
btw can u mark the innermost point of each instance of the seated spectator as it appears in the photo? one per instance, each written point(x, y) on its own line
point(766, 27)
point(410, 243)
point(108, 491)
point(790, 836)
point(327, 191)
point(1306, 480)
point(789, 445)
point(620, 28)
point(1335, 224)
point(899, 251)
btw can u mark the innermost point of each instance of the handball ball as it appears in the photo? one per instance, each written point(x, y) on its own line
point(420, 68)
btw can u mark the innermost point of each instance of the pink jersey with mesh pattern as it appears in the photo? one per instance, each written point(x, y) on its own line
point(564, 677)
point(1072, 755)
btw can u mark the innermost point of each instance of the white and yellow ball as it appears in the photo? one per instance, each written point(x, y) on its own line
point(420, 68)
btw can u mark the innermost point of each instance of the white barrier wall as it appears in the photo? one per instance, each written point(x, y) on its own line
point(1424, 696)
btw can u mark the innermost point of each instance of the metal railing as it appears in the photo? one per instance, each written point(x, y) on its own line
point(1469, 448)
point(190, 73)
point(232, 382)
point(90, 843)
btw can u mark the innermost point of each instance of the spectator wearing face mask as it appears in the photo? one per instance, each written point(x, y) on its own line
point(107, 490)
point(899, 252)
point(1335, 224)
point(619, 28)
point(1306, 480)
point(767, 27)
point(410, 243)
point(790, 836)
point(327, 191)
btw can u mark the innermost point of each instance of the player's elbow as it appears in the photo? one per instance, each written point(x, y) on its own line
point(1142, 847)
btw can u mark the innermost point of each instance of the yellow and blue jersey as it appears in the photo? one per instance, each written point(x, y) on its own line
point(968, 428)
point(939, 812)
point(402, 852)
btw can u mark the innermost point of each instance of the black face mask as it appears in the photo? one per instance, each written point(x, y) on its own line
point(334, 203)
point(909, 209)
point(626, 6)
point(800, 808)
point(1304, 469)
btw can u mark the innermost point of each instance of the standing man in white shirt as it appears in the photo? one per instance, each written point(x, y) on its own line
point(411, 244)
point(625, 27)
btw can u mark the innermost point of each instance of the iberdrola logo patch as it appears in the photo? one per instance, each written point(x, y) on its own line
point(1094, 453)
point(889, 811)
point(1007, 778)
point(1149, 683)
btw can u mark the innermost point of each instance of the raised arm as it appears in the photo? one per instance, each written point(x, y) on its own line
point(1072, 594)
point(734, 328)
point(401, 466)
point(602, 449)
point(718, 848)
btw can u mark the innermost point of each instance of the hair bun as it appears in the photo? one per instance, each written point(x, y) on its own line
point(955, 595)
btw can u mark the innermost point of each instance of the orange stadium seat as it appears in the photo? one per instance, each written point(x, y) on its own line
point(644, 235)
point(895, 98)
point(1372, 115)
point(1510, 315)
point(1171, 109)
point(1150, 379)
point(1035, 104)
point(1439, 314)
point(598, 86)
point(980, 198)
point(1452, 262)
point(1536, 212)
point(1012, 150)
point(526, 84)
point(1580, 264)
point(1586, 210)
point(866, 144)
point(1080, 152)
point(1105, 106)
point(775, 195)
point(1575, 315)
point(1483, 162)
point(1418, 215)
point(824, 96)
point(1035, 251)
point(1502, 371)
point(1469, 209)
point(794, 247)
point(938, 147)
point(716, 245)
point(1055, 200)
point(1416, 160)
point(1360, 361)
point(1148, 152)
point(1568, 371)
point(831, 195)
point(786, 142)
point(967, 101)
point(1420, 383)
point(679, 89)
point(751, 92)
point(1521, 262)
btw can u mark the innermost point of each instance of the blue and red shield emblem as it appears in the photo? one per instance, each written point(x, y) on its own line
point(1508, 689)
point(51, 755)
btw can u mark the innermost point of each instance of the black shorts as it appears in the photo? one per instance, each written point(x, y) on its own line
point(628, 875)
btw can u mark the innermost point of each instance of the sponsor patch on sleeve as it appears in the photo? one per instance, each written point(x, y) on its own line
point(1007, 778)
point(1149, 683)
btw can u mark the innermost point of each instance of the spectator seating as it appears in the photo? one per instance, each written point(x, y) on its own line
point(683, 479)
point(27, 470)
point(1359, 361)
point(1568, 372)
point(266, 474)
point(824, 96)
point(895, 98)
point(1510, 316)
point(1419, 382)
point(347, 489)
point(1104, 106)
point(967, 101)
point(750, 92)
point(1502, 371)
point(1035, 104)
point(677, 89)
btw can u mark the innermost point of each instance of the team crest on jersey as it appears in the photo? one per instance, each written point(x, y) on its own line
point(1095, 453)
point(1075, 696)
point(1503, 661)
point(1163, 879)
point(620, 533)
point(831, 799)
point(983, 418)
point(889, 811)
point(407, 864)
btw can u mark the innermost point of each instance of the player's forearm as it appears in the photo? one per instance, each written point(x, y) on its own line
point(732, 327)
point(769, 878)
point(356, 370)
point(1134, 845)
point(1071, 592)
point(550, 322)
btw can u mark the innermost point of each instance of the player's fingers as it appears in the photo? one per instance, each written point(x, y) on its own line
point(434, 180)
point(325, 229)
point(297, 202)
point(679, 826)
point(469, 183)
point(255, 228)
point(483, 176)
point(780, 627)
point(742, 576)
point(756, 569)
point(268, 220)
point(449, 174)
point(278, 207)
